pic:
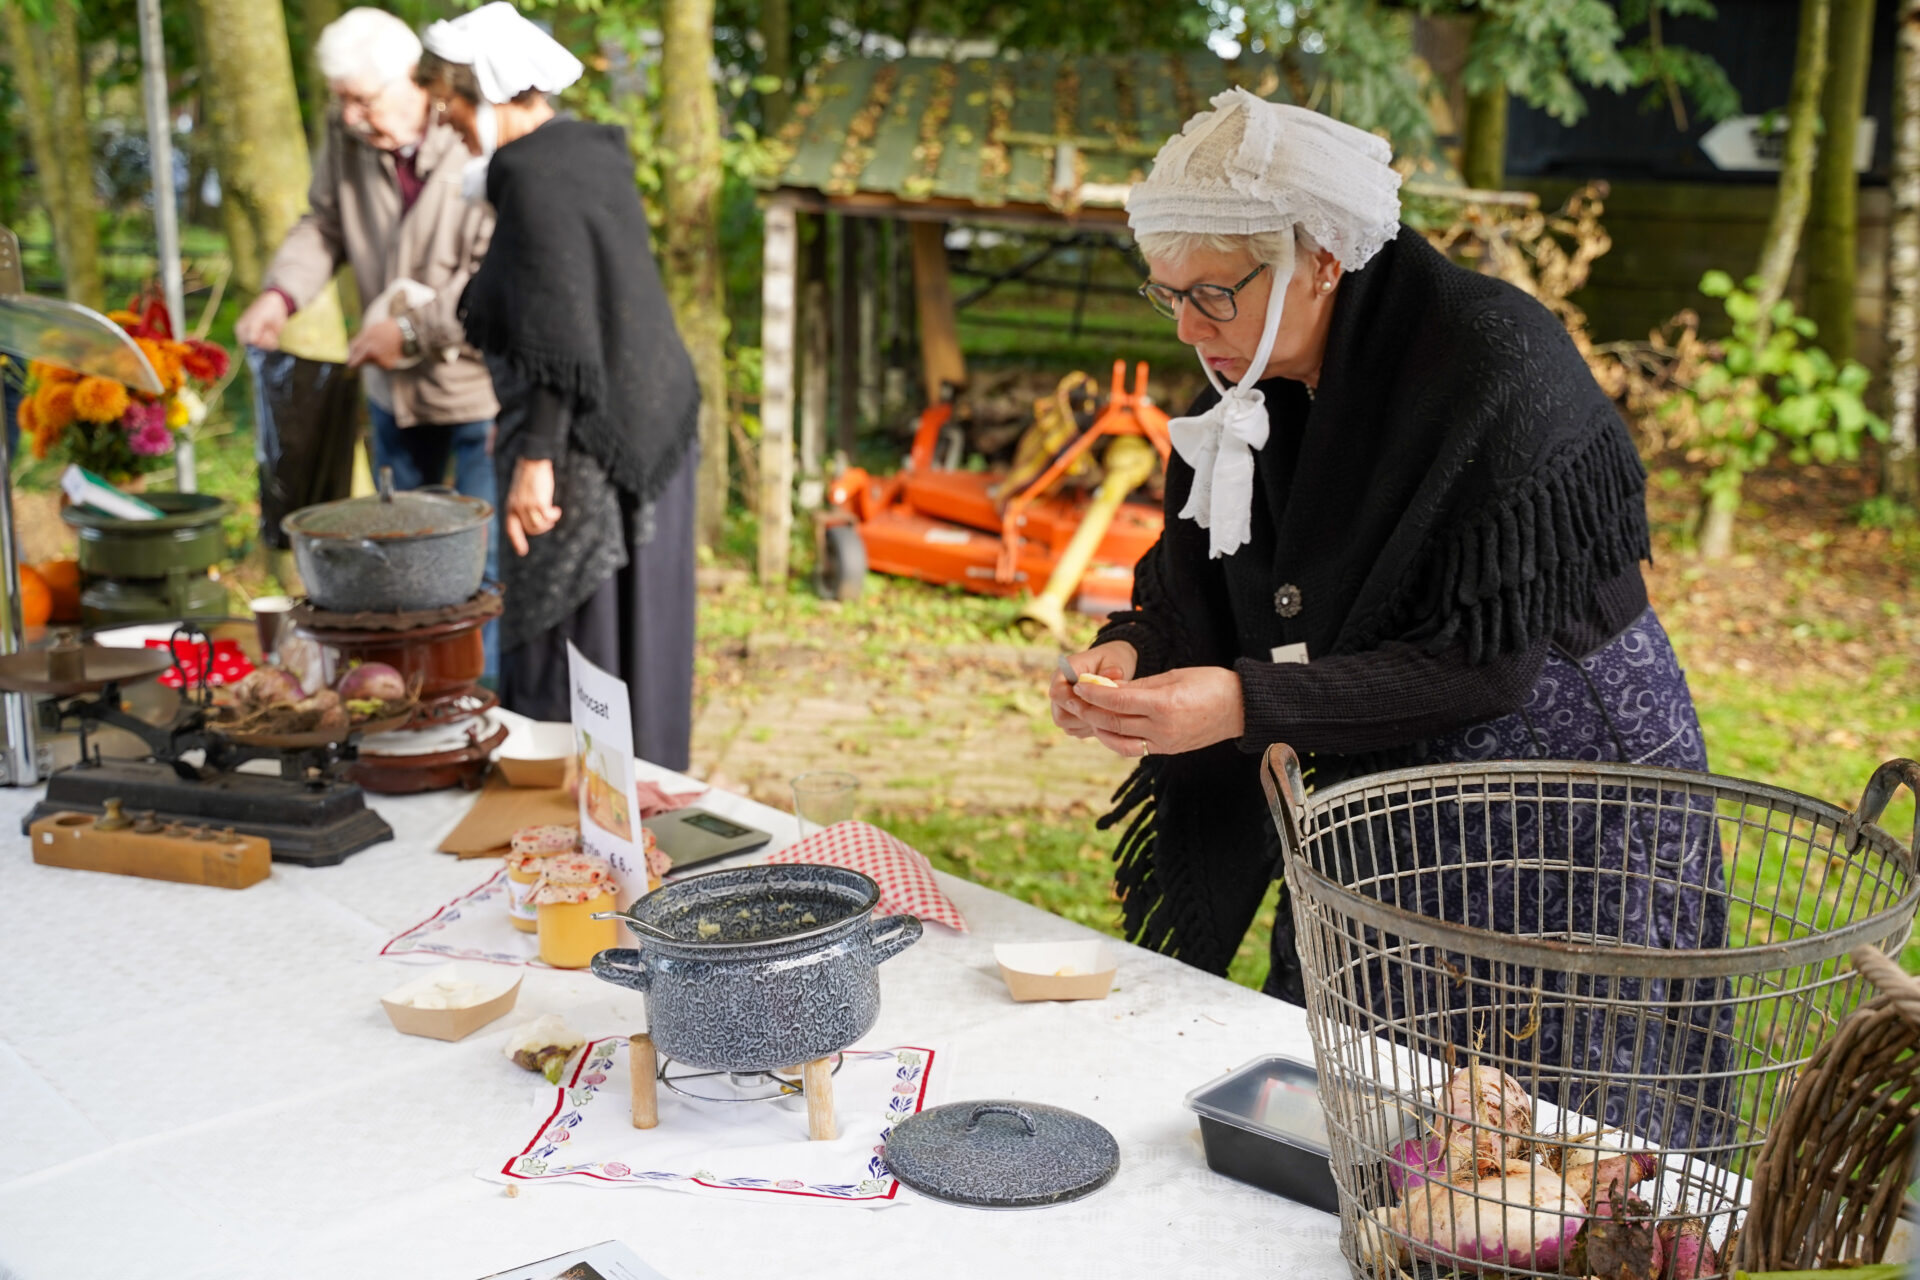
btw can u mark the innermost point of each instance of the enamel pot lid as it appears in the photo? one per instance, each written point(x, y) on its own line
point(1002, 1154)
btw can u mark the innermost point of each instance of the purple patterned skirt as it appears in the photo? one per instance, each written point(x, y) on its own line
point(1606, 863)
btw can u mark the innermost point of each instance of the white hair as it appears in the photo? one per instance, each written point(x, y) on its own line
point(369, 48)
point(1264, 246)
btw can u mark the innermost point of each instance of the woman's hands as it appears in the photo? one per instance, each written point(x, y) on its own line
point(1180, 710)
point(1115, 660)
point(530, 509)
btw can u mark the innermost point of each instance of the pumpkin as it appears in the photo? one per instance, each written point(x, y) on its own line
point(63, 582)
point(36, 602)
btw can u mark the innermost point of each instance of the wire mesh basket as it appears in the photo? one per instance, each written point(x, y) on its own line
point(1557, 1005)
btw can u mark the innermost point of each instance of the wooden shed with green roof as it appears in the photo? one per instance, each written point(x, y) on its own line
point(1043, 140)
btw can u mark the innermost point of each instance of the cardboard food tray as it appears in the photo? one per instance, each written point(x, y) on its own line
point(501, 810)
point(452, 1024)
point(1056, 970)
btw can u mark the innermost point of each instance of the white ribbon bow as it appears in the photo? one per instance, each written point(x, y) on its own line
point(1219, 443)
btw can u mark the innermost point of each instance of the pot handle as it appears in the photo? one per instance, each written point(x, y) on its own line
point(326, 547)
point(621, 966)
point(1001, 1109)
point(891, 935)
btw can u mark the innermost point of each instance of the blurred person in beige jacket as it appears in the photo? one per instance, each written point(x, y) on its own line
point(387, 201)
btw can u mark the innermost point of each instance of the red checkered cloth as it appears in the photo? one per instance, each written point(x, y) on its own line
point(905, 877)
point(230, 665)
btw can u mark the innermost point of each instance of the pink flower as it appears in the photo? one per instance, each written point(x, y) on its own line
point(152, 439)
point(614, 1169)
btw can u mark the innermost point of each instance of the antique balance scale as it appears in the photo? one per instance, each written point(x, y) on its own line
point(193, 773)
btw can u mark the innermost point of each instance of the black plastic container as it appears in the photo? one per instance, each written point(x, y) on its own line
point(1263, 1125)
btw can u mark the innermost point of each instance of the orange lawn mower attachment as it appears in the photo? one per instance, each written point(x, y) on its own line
point(964, 528)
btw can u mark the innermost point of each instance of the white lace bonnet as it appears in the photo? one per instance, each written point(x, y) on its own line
point(1250, 165)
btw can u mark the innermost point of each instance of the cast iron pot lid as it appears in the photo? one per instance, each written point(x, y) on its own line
point(1002, 1154)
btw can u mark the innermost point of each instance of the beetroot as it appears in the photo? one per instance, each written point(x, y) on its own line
point(372, 682)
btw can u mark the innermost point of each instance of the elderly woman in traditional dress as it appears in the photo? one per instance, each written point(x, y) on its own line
point(598, 401)
point(1404, 528)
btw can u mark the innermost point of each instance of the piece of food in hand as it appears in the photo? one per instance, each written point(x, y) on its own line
point(1089, 677)
point(374, 681)
point(544, 1045)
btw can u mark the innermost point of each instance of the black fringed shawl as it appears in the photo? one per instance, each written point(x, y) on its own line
point(569, 295)
point(1461, 484)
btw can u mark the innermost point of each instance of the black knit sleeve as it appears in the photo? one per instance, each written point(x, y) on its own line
point(1146, 626)
point(549, 416)
point(1385, 697)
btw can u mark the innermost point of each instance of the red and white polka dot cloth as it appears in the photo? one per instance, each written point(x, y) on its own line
point(230, 665)
point(904, 875)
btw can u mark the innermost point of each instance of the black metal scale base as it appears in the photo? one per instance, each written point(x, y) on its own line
point(311, 824)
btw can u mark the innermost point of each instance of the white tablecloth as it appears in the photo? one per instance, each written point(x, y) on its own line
point(200, 1082)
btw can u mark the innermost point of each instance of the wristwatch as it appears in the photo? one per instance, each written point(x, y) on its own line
point(409, 336)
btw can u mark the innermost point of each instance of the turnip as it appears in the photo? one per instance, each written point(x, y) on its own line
point(1414, 1161)
point(372, 682)
point(1688, 1253)
point(264, 686)
point(1525, 1217)
point(1620, 1242)
point(1599, 1181)
point(1480, 1103)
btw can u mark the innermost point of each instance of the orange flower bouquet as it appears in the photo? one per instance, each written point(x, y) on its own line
point(104, 426)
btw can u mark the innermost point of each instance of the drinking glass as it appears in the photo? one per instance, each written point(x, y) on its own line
point(268, 613)
point(822, 798)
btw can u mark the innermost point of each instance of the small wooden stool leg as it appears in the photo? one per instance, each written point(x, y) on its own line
point(642, 1064)
point(817, 1077)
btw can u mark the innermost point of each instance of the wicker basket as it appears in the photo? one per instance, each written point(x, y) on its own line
point(1831, 1181)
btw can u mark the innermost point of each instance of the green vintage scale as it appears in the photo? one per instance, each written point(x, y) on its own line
point(192, 771)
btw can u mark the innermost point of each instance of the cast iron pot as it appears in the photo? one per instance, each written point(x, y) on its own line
point(758, 968)
point(417, 549)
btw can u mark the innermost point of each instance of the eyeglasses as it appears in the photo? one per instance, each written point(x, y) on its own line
point(363, 103)
point(1217, 302)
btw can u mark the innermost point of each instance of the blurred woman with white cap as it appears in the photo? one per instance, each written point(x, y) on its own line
point(599, 404)
point(1404, 528)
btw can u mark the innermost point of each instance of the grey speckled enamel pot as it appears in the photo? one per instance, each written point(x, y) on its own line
point(758, 968)
point(416, 549)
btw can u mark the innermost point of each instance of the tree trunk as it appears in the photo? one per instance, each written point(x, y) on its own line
point(776, 30)
point(52, 83)
point(253, 116)
point(1832, 222)
point(1483, 140)
point(1483, 149)
point(1796, 161)
point(690, 137)
point(778, 297)
point(314, 17)
point(1900, 461)
point(1783, 229)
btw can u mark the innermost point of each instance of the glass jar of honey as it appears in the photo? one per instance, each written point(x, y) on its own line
point(532, 846)
point(571, 889)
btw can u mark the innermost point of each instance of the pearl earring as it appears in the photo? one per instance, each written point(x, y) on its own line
point(1326, 286)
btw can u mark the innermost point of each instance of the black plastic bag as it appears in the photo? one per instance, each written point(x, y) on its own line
point(306, 419)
